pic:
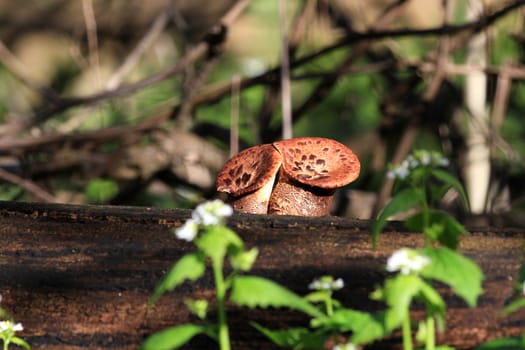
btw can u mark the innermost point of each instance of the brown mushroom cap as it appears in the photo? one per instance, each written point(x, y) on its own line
point(249, 170)
point(318, 162)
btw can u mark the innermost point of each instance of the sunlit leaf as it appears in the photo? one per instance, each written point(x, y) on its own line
point(294, 338)
point(189, 267)
point(398, 293)
point(365, 327)
point(101, 190)
point(20, 342)
point(460, 273)
point(402, 201)
point(172, 338)
point(216, 240)
point(255, 291)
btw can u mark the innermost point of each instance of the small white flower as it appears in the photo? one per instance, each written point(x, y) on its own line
point(406, 261)
point(326, 283)
point(188, 231)
point(338, 284)
point(348, 346)
point(10, 326)
point(444, 162)
point(426, 159)
point(211, 213)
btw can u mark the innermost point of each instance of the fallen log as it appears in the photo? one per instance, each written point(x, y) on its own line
point(79, 277)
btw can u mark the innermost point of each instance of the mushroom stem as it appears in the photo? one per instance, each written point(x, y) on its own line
point(290, 197)
point(255, 202)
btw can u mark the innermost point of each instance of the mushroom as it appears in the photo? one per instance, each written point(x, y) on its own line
point(312, 169)
point(290, 177)
point(248, 178)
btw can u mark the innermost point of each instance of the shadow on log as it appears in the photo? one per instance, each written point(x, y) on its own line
point(79, 277)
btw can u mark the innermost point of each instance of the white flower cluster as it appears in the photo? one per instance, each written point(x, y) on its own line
point(406, 261)
point(10, 327)
point(326, 283)
point(420, 158)
point(206, 214)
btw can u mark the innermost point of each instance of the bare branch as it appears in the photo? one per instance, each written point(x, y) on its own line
point(27, 185)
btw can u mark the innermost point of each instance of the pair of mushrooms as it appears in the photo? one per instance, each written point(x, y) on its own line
point(289, 177)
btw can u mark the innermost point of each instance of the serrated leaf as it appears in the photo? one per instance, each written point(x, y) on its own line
point(216, 241)
point(365, 327)
point(189, 267)
point(294, 338)
point(172, 338)
point(253, 291)
point(402, 201)
point(460, 273)
point(398, 293)
point(450, 180)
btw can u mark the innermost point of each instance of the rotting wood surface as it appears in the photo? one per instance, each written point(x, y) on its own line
point(79, 277)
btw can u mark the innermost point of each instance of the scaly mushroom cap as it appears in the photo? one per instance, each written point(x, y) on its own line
point(249, 170)
point(318, 162)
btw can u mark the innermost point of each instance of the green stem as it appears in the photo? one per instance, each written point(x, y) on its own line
point(426, 214)
point(329, 305)
point(431, 337)
point(407, 332)
point(224, 336)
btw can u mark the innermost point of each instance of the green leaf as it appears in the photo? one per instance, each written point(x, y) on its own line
point(450, 180)
point(172, 338)
point(216, 240)
point(398, 293)
point(20, 342)
point(402, 201)
point(294, 338)
point(433, 301)
point(101, 190)
point(501, 344)
point(365, 327)
point(255, 291)
point(514, 306)
point(460, 273)
point(189, 267)
point(243, 260)
point(442, 227)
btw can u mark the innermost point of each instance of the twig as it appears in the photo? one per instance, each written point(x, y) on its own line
point(20, 72)
point(234, 116)
point(21, 145)
point(270, 77)
point(326, 84)
point(286, 97)
point(29, 186)
point(92, 38)
point(65, 103)
point(409, 133)
point(271, 96)
point(131, 60)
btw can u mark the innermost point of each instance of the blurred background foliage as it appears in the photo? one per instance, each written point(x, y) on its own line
point(71, 132)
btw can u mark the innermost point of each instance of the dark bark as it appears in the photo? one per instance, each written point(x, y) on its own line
point(79, 277)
